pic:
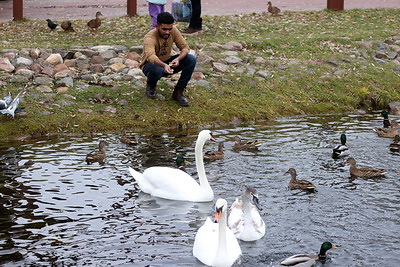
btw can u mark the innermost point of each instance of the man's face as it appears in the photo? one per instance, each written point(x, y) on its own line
point(164, 30)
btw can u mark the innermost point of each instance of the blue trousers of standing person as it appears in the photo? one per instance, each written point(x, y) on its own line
point(186, 65)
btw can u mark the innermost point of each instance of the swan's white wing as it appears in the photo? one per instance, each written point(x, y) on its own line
point(299, 260)
point(235, 217)
point(258, 222)
point(169, 183)
point(206, 242)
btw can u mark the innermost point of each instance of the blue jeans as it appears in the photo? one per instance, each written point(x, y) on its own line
point(186, 65)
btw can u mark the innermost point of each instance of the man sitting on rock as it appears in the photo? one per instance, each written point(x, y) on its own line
point(157, 61)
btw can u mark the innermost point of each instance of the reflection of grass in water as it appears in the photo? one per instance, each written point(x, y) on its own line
point(313, 64)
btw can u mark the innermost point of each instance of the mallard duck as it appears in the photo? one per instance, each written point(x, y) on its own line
point(67, 26)
point(386, 121)
point(244, 219)
point(388, 129)
point(180, 163)
point(174, 184)
point(299, 184)
point(127, 139)
point(8, 105)
point(273, 9)
point(214, 155)
point(308, 259)
point(249, 144)
point(215, 244)
point(366, 172)
point(98, 155)
point(95, 23)
point(341, 150)
point(395, 146)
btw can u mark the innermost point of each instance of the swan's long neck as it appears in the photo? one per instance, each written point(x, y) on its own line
point(200, 163)
point(222, 251)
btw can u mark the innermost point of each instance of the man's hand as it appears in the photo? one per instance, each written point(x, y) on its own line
point(168, 70)
point(174, 63)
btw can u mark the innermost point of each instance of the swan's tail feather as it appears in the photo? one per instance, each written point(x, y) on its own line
point(139, 179)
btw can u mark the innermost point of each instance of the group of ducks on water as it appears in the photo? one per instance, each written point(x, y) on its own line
point(66, 25)
point(216, 240)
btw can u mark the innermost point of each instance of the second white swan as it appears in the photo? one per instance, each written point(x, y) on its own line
point(244, 219)
point(215, 244)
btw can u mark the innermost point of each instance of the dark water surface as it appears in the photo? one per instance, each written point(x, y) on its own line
point(61, 211)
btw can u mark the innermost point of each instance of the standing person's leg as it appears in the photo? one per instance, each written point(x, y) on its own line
point(154, 10)
point(196, 20)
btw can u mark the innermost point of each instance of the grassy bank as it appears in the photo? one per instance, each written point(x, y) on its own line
point(315, 62)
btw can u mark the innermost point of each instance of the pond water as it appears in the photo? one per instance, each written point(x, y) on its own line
point(57, 210)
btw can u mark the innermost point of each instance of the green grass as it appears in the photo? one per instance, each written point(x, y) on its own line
point(296, 46)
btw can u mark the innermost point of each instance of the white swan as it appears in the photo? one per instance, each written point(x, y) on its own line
point(172, 183)
point(215, 244)
point(244, 219)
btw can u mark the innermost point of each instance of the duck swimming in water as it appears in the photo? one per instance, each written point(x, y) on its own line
point(341, 150)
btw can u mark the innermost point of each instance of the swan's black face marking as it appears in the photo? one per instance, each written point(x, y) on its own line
point(256, 203)
point(218, 212)
point(212, 137)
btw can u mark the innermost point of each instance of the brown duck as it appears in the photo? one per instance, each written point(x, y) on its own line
point(249, 144)
point(95, 23)
point(299, 184)
point(388, 129)
point(67, 26)
point(366, 172)
point(214, 155)
point(273, 9)
point(128, 139)
point(98, 155)
point(395, 145)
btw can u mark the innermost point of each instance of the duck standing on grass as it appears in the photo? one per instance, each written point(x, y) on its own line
point(244, 219)
point(299, 184)
point(341, 150)
point(93, 24)
point(273, 9)
point(98, 155)
point(67, 26)
point(364, 172)
point(305, 260)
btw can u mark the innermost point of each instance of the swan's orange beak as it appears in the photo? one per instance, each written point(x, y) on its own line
point(217, 215)
point(212, 138)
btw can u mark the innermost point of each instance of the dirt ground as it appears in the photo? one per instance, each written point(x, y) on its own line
point(75, 9)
